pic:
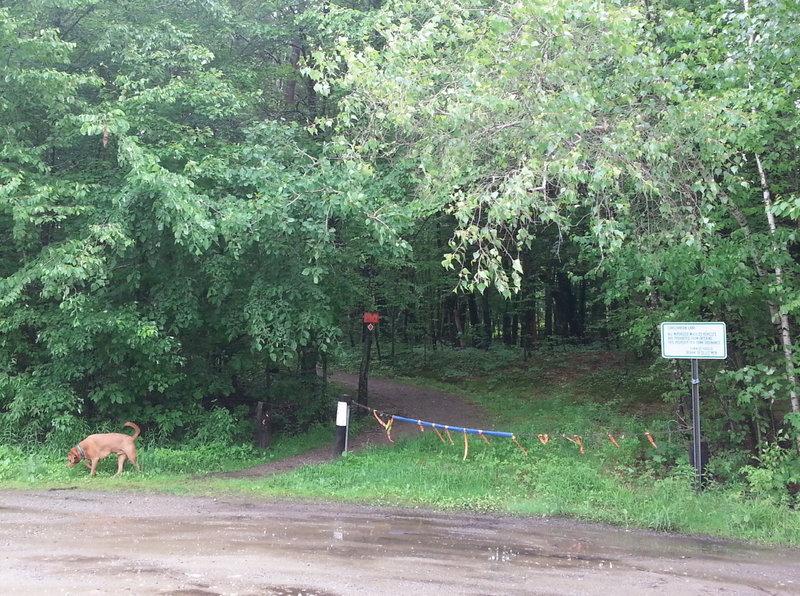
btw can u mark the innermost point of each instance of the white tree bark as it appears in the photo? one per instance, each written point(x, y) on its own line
point(779, 317)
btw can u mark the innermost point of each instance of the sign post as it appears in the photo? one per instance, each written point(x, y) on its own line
point(342, 427)
point(371, 320)
point(695, 341)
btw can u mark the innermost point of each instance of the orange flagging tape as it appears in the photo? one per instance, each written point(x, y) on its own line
point(378, 418)
point(544, 439)
point(513, 438)
point(387, 426)
point(577, 440)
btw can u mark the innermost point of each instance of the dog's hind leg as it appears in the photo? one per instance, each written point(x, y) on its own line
point(131, 453)
point(120, 462)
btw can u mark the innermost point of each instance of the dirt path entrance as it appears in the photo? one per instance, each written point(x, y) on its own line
point(393, 398)
point(80, 542)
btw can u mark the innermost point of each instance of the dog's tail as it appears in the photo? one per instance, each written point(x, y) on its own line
point(136, 430)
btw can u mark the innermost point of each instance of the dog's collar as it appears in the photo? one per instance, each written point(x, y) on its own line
point(81, 451)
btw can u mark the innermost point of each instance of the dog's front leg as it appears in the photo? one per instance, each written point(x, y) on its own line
point(93, 467)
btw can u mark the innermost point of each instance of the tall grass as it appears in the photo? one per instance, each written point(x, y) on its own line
point(167, 467)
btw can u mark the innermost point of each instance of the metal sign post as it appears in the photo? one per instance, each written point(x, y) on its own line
point(695, 341)
point(697, 444)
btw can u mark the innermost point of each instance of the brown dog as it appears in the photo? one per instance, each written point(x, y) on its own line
point(95, 447)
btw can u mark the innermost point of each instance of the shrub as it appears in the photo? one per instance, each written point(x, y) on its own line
point(777, 476)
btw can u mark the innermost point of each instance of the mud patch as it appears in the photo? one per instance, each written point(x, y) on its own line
point(289, 591)
point(152, 544)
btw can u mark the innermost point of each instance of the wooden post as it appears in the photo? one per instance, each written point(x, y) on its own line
point(263, 426)
point(363, 372)
point(342, 424)
point(370, 322)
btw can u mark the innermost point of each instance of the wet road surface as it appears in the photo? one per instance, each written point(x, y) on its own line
point(75, 542)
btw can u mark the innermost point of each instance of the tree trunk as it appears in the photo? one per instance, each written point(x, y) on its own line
point(779, 317)
point(290, 86)
point(474, 320)
point(392, 333)
point(487, 322)
point(548, 305)
point(781, 321)
point(458, 323)
point(527, 306)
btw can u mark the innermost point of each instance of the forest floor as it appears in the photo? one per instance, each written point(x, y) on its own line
point(88, 542)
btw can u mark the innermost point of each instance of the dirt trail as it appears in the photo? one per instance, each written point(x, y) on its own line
point(393, 398)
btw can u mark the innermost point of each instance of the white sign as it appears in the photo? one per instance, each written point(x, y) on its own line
point(694, 340)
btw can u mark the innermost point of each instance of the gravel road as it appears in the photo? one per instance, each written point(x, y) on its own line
point(77, 542)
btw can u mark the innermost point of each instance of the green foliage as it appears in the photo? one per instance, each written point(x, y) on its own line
point(481, 83)
point(299, 404)
point(201, 459)
point(9, 458)
point(192, 195)
point(168, 241)
point(777, 475)
point(222, 429)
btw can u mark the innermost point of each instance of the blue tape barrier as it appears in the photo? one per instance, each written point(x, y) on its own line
point(458, 429)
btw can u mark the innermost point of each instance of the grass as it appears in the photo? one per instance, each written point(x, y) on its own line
point(554, 481)
point(589, 393)
point(169, 469)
